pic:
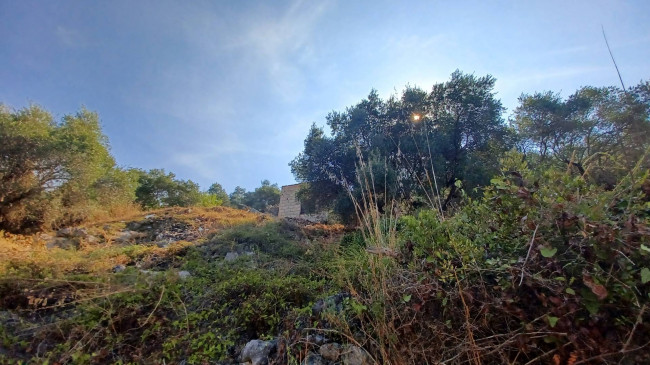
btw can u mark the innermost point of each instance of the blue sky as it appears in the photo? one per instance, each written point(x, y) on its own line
point(226, 90)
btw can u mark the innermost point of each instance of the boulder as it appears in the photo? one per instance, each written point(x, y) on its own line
point(354, 355)
point(184, 274)
point(72, 233)
point(330, 351)
point(313, 359)
point(257, 352)
point(63, 243)
point(126, 236)
point(119, 268)
point(316, 339)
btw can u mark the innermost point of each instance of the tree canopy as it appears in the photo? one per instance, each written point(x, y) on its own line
point(264, 199)
point(418, 145)
point(50, 171)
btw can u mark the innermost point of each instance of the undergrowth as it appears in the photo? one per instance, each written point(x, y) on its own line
point(544, 268)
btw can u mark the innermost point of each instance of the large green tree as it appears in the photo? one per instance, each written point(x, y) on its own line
point(158, 189)
point(600, 132)
point(53, 172)
point(413, 147)
point(217, 190)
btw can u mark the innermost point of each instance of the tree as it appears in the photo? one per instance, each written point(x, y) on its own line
point(217, 190)
point(237, 197)
point(157, 189)
point(52, 172)
point(416, 146)
point(600, 132)
point(264, 198)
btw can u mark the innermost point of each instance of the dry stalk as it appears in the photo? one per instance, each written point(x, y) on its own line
point(476, 355)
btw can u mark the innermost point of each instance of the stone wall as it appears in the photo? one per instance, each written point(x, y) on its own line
point(290, 205)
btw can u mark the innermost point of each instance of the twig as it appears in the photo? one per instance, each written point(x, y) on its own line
point(639, 319)
point(532, 241)
point(187, 322)
point(477, 356)
point(154, 308)
point(612, 55)
point(601, 356)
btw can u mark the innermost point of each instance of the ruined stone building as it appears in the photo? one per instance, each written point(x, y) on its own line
point(290, 206)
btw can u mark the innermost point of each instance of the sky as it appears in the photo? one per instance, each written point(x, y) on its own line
point(225, 91)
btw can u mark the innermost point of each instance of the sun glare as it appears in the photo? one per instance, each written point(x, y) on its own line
point(416, 117)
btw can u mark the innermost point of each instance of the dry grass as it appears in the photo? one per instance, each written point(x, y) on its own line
point(28, 254)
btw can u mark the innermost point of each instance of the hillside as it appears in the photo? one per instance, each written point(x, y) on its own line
point(537, 271)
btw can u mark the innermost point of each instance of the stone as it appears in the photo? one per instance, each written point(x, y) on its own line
point(313, 359)
point(119, 268)
point(63, 243)
point(64, 232)
point(258, 352)
point(316, 339)
point(231, 256)
point(184, 274)
point(149, 216)
point(354, 355)
point(126, 236)
point(330, 351)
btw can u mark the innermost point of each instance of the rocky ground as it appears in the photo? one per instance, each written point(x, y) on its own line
point(51, 283)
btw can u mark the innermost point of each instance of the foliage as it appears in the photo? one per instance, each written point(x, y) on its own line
point(419, 144)
point(156, 189)
point(217, 190)
point(601, 132)
point(264, 199)
point(546, 264)
point(55, 173)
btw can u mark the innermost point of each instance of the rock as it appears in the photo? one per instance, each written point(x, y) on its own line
point(316, 339)
point(64, 232)
point(330, 351)
point(134, 226)
point(149, 216)
point(64, 243)
point(331, 303)
point(258, 351)
point(72, 232)
point(313, 359)
point(184, 274)
point(119, 268)
point(46, 237)
point(354, 355)
point(126, 236)
point(92, 239)
point(164, 243)
point(231, 256)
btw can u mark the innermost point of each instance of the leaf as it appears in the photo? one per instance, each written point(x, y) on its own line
point(598, 289)
point(645, 275)
point(645, 248)
point(552, 321)
point(548, 252)
point(406, 298)
point(570, 291)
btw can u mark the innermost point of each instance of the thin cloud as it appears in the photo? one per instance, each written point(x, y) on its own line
point(70, 37)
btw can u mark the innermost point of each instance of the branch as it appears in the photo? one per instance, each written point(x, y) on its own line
point(532, 241)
